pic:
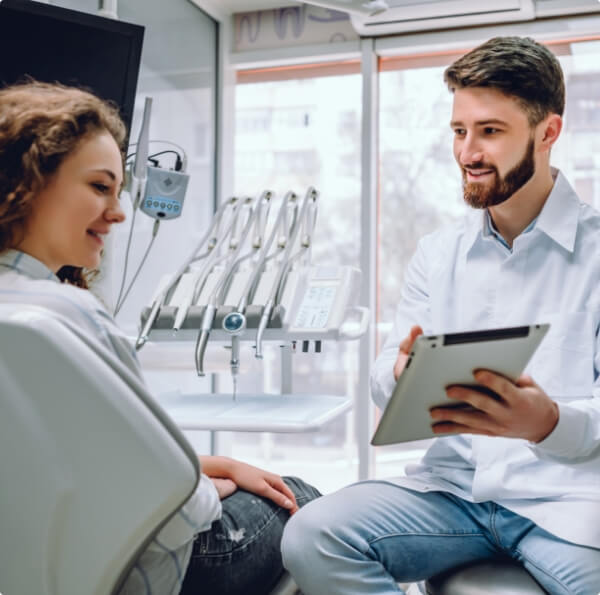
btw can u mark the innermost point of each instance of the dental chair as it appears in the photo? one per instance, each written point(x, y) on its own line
point(91, 468)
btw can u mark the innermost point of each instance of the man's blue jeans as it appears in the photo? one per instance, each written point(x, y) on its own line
point(240, 554)
point(367, 537)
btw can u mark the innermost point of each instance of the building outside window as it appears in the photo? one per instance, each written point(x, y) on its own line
point(309, 135)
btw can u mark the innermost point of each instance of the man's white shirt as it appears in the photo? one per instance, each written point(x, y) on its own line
point(463, 278)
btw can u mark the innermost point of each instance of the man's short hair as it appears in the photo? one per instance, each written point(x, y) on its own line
point(517, 66)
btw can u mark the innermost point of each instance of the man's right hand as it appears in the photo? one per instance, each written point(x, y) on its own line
point(405, 349)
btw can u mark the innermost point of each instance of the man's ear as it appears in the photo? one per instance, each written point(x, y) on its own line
point(549, 131)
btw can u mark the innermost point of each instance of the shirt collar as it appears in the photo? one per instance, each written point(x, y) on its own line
point(560, 213)
point(557, 219)
point(26, 264)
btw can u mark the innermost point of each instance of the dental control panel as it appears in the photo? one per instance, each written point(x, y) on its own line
point(164, 193)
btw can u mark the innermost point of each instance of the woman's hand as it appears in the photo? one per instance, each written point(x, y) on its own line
point(225, 487)
point(252, 479)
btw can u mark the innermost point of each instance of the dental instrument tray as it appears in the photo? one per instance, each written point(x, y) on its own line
point(289, 413)
point(439, 361)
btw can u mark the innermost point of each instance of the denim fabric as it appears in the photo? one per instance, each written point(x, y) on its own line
point(241, 552)
point(367, 537)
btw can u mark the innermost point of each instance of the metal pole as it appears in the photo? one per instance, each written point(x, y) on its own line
point(368, 257)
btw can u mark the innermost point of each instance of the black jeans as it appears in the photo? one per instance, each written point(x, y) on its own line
point(240, 553)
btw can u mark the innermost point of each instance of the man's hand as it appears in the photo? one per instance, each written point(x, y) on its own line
point(404, 350)
point(249, 478)
point(518, 410)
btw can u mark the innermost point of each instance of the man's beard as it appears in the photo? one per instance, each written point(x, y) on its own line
point(481, 196)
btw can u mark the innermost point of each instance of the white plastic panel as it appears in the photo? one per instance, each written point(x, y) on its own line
point(405, 16)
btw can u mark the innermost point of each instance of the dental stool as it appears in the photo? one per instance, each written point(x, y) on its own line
point(91, 467)
point(487, 577)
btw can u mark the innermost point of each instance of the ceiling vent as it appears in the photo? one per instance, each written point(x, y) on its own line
point(405, 16)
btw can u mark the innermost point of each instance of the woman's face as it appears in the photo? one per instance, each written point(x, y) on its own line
point(77, 207)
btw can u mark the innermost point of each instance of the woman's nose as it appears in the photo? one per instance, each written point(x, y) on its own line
point(115, 213)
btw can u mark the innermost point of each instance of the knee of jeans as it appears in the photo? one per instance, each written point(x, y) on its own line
point(301, 537)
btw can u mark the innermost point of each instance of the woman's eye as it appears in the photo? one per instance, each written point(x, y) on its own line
point(103, 188)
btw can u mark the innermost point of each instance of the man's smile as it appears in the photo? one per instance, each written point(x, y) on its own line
point(478, 175)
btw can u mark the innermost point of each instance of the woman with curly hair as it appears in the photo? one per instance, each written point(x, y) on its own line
point(61, 172)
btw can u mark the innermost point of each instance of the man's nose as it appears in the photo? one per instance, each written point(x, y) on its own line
point(470, 151)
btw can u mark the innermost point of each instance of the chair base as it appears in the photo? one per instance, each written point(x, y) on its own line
point(489, 577)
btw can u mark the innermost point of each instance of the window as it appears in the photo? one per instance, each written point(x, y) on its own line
point(309, 134)
point(420, 181)
point(577, 153)
point(420, 191)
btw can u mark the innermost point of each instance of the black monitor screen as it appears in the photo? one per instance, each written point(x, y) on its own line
point(56, 44)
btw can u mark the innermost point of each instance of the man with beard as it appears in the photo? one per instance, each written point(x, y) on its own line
point(520, 478)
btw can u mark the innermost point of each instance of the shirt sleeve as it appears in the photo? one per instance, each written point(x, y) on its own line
point(577, 433)
point(196, 515)
point(414, 308)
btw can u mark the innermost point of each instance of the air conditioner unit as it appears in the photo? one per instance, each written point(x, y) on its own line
point(410, 15)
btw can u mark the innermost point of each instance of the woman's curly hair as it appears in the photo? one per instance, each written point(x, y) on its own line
point(40, 125)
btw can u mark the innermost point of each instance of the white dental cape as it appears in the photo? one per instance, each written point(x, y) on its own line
point(161, 568)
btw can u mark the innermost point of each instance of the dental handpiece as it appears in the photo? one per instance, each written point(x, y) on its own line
point(234, 324)
point(145, 332)
point(207, 320)
point(211, 308)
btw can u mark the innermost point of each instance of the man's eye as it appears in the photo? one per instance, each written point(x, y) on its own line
point(459, 131)
point(490, 130)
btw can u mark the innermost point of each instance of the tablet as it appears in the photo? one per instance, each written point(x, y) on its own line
point(437, 361)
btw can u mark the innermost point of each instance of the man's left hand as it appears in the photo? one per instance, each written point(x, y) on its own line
point(519, 409)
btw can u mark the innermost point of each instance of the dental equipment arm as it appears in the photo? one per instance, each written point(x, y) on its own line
point(309, 199)
point(212, 261)
point(304, 253)
point(261, 217)
point(235, 245)
point(139, 174)
point(160, 298)
point(234, 323)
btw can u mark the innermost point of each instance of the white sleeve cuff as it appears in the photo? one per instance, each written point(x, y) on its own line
point(565, 440)
point(196, 515)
